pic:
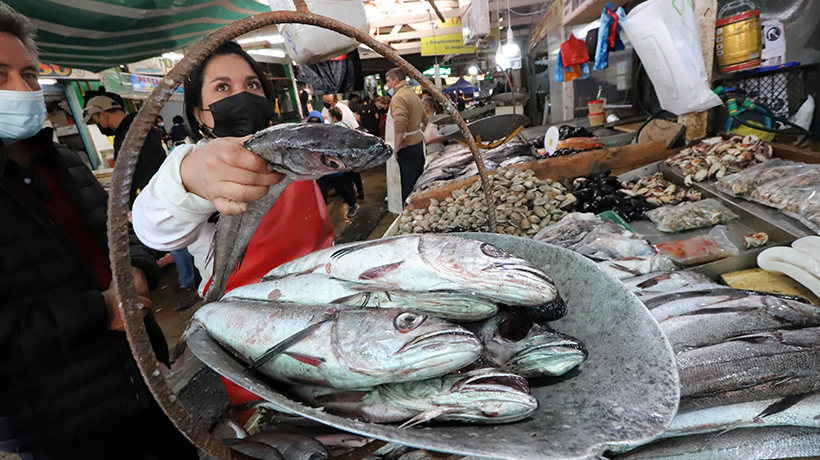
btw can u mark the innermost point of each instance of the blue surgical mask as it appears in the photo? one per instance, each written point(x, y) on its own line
point(22, 114)
point(390, 92)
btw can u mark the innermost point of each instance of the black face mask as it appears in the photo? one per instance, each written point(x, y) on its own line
point(327, 105)
point(241, 114)
point(106, 131)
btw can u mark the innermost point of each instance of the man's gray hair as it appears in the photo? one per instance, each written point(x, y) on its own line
point(14, 23)
point(396, 73)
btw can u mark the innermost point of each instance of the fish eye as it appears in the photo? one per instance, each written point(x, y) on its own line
point(331, 162)
point(515, 328)
point(407, 321)
point(492, 251)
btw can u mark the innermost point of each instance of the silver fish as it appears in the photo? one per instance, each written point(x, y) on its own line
point(478, 396)
point(800, 410)
point(630, 267)
point(664, 282)
point(347, 347)
point(521, 346)
point(318, 289)
point(432, 263)
point(301, 151)
point(715, 323)
point(755, 367)
point(743, 444)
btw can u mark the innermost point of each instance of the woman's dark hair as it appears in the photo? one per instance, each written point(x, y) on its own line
point(193, 85)
point(178, 119)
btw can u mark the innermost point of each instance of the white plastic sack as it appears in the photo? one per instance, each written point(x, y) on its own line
point(665, 36)
point(310, 44)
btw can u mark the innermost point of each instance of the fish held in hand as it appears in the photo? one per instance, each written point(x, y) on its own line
point(317, 289)
point(347, 347)
point(301, 151)
point(530, 349)
point(478, 396)
point(431, 263)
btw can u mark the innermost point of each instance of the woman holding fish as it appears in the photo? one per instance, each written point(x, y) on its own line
point(227, 98)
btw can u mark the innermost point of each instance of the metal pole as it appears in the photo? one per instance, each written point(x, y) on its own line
point(124, 171)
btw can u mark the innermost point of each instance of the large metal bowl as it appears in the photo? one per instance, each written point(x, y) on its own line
point(492, 128)
point(625, 394)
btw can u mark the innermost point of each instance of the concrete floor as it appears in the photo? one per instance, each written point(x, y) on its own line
point(163, 298)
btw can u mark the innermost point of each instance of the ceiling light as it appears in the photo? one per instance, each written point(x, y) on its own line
point(510, 49)
point(47, 81)
point(173, 56)
point(502, 61)
point(473, 70)
point(268, 52)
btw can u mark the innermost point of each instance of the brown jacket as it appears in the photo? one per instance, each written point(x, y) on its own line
point(408, 114)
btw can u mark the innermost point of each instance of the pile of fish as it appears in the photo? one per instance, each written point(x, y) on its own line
point(688, 216)
point(749, 365)
point(524, 205)
point(368, 330)
point(456, 163)
point(715, 157)
point(658, 191)
point(597, 193)
point(594, 237)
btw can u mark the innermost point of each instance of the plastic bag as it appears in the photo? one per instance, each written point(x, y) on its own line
point(789, 193)
point(746, 181)
point(310, 44)
point(809, 213)
point(609, 37)
point(699, 249)
point(596, 238)
point(574, 52)
point(673, 219)
point(666, 38)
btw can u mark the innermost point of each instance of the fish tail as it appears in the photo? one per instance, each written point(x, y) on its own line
point(362, 452)
point(182, 343)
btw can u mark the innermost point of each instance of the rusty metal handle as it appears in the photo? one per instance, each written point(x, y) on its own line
point(124, 170)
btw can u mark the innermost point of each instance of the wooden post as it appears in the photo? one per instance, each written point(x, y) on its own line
point(705, 15)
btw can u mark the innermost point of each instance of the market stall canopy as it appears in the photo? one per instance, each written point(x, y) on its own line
point(100, 34)
point(461, 85)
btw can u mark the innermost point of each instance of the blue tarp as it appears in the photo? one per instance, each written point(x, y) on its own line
point(461, 85)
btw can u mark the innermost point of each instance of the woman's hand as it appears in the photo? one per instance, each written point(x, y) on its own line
point(227, 174)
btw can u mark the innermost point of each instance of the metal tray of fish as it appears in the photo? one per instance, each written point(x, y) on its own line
point(752, 218)
point(625, 394)
point(493, 128)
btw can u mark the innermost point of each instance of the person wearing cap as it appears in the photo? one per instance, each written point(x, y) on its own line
point(110, 118)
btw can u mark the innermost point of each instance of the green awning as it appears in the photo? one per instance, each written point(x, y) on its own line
point(100, 34)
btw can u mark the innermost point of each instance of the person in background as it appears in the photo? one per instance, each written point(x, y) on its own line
point(331, 100)
point(159, 125)
point(179, 132)
point(304, 100)
point(71, 389)
point(343, 182)
point(109, 117)
point(382, 106)
point(315, 117)
point(405, 120)
point(353, 102)
point(368, 116)
point(433, 142)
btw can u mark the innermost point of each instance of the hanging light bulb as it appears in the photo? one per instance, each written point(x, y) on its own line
point(510, 49)
point(473, 70)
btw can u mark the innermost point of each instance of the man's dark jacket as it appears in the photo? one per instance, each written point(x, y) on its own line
point(63, 374)
point(150, 159)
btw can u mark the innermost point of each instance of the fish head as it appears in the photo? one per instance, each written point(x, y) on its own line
point(407, 345)
point(517, 344)
point(485, 395)
point(307, 151)
point(503, 277)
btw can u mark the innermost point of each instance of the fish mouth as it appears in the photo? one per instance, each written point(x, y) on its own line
point(551, 359)
point(493, 381)
point(447, 336)
point(527, 271)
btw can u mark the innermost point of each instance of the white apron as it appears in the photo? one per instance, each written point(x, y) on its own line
point(394, 203)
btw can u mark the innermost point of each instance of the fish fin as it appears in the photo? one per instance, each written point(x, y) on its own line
point(781, 405)
point(381, 270)
point(338, 254)
point(653, 281)
point(426, 416)
point(632, 271)
point(182, 343)
point(280, 347)
point(731, 427)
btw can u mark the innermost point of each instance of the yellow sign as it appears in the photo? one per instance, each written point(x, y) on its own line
point(440, 45)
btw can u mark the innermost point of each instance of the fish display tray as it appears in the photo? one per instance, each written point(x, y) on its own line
point(625, 394)
point(492, 128)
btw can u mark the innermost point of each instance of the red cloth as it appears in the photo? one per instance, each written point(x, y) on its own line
point(296, 225)
point(70, 219)
point(613, 28)
point(574, 52)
